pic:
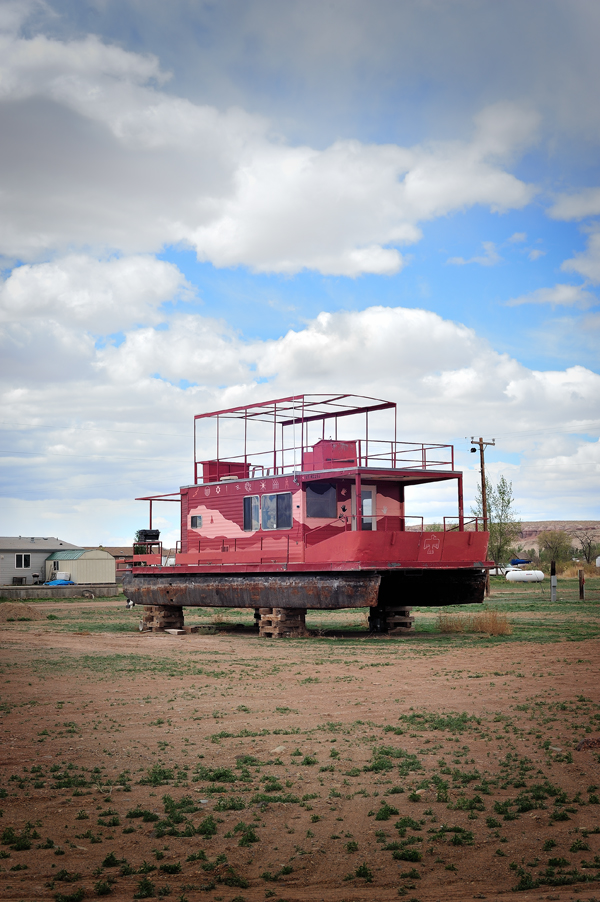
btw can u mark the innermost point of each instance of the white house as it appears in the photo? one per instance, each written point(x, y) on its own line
point(23, 558)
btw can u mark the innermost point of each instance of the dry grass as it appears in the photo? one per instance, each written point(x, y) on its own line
point(572, 570)
point(10, 610)
point(494, 623)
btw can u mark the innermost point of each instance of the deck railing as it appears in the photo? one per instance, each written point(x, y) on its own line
point(374, 453)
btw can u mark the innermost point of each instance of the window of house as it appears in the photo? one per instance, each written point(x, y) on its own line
point(196, 523)
point(56, 565)
point(277, 511)
point(321, 500)
point(251, 513)
point(22, 561)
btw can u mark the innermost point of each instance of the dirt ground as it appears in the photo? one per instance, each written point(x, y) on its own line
point(218, 766)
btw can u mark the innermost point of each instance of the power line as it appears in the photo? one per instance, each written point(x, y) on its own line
point(92, 456)
point(568, 431)
point(12, 427)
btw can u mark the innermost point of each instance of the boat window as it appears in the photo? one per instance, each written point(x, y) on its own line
point(321, 500)
point(277, 511)
point(251, 513)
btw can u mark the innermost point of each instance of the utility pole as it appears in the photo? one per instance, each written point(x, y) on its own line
point(484, 509)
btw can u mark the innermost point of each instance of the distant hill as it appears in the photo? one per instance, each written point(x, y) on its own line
point(530, 529)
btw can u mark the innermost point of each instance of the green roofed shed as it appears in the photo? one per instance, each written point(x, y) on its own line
point(81, 565)
point(71, 555)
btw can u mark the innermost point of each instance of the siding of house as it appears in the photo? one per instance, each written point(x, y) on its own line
point(8, 567)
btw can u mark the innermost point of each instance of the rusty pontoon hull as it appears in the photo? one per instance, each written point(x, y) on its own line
point(252, 590)
point(317, 591)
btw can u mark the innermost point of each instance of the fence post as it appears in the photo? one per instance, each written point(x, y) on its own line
point(581, 575)
point(552, 581)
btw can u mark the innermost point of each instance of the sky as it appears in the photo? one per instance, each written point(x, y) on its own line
point(209, 204)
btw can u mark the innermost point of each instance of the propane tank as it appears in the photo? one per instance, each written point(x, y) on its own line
point(524, 576)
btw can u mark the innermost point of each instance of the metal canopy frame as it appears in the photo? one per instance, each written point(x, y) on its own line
point(411, 462)
point(311, 407)
point(294, 410)
point(301, 411)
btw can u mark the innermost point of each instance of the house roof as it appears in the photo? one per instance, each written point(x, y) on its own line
point(72, 554)
point(33, 543)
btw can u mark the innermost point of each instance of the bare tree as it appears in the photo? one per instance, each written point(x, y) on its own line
point(587, 541)
point(555, 545)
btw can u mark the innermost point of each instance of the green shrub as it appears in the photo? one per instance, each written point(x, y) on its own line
point(407, 855)
point(207, 827)
point(145, 890)
point(172, 868)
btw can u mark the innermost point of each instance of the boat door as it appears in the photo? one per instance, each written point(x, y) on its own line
point(369, 507)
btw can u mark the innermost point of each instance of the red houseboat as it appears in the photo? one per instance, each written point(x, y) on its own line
point(302, 506)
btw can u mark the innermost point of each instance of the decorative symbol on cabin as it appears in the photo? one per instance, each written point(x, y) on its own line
point(275, 484)
point(247, 486)
point(218, 490)
point(343, 491)
point(237, 486)
point(263, 484)
point(207, 491)
point(431, 544)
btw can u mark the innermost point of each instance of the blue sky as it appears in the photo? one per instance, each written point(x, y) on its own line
point(211, 203)
point(265, 305)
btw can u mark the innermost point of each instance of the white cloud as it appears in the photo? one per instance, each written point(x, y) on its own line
point(336, 58)
point(14, 13)
point(518, 238)
point(489, 258)
point(103, 296)
point(535, 254)
point(587, 263)
point(559, 295)
point(114, 162)
point(576, 206)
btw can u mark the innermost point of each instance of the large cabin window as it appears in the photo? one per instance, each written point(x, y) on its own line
point(277, 511)
point(321, 500)
point(196, 523)
point(251, 513)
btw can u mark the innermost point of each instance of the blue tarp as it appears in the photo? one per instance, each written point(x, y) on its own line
point(61, 582)
point(520, 560)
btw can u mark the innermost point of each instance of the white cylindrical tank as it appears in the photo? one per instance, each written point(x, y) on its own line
point(524, 576)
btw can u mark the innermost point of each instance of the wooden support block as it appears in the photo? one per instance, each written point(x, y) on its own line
point(162, 618)
point(281, 623)
point(399, 620)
